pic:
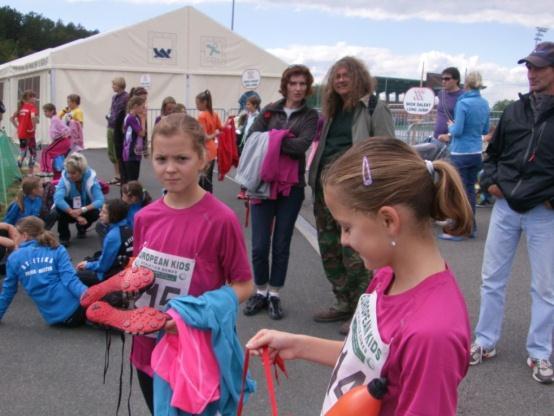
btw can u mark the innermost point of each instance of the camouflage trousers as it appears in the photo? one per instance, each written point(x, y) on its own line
point(343, 267)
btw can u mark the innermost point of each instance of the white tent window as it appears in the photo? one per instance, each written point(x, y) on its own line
point(32, 83)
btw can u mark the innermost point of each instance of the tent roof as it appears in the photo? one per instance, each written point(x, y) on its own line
point(182, 41)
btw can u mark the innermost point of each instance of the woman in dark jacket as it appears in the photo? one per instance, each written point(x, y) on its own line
point(273, 219)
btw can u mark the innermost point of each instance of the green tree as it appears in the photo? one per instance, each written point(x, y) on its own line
point(22, 35)
point(501, 105)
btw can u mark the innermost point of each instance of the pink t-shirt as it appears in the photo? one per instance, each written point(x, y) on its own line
point(428, 330)
point(192, 251)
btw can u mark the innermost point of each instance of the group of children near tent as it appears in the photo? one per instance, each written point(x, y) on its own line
point(65, 132)
point(194, 245)
point(127, 152)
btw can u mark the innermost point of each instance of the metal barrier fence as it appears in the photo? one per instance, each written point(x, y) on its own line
point(153, 113)
point(408, 127)
point(416, 129)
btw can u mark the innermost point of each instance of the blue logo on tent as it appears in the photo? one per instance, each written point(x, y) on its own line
point(162, 53)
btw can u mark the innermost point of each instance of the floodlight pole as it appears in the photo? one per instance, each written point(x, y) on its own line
point(233, 16)
point(539, 34)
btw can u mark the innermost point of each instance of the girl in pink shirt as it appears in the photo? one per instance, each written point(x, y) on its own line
point(191, 240)
point(411, 326)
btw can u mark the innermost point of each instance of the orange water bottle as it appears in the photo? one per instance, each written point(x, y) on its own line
point(361, 400)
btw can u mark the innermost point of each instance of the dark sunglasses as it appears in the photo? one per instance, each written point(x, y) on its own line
point(446, 78)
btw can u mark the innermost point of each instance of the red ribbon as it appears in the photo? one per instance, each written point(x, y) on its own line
point(278, 364)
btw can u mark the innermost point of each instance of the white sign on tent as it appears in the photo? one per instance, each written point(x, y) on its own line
point(145, 80)
point(251, 79)
point(419, 100)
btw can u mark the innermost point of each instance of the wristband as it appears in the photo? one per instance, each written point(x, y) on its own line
point(84, 210)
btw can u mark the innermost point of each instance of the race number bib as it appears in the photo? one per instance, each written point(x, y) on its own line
point(173, 276)
point(77, 202)
point(363, 355)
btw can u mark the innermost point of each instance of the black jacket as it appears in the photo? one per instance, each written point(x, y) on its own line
point(520, 157)
point(302, 124)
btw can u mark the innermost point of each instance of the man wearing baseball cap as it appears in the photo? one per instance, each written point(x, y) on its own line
point(519, 171)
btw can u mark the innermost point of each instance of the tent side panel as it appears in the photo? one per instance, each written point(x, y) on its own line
point(95, 90)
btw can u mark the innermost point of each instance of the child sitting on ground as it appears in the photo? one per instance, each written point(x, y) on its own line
point(117, 247)
point(27, 202)
point(136, 198)
point(44, 269)
point(8, 242)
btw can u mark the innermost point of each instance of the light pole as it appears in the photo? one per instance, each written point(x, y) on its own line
point(539, 34)
point(233, 16)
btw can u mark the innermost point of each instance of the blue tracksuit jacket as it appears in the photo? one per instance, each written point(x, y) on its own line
point(110, 250)
point(31, 206)
point(48, 277)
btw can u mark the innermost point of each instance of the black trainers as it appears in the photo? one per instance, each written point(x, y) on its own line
point(274, 308)
point(255, 304)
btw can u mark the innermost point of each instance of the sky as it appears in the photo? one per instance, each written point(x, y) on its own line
point(395, 38)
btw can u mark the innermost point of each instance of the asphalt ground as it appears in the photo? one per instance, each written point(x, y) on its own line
point(54, 371)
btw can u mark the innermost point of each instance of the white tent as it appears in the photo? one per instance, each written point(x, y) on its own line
point(180, 53)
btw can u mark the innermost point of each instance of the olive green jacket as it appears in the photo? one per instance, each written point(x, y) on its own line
point(364, 125)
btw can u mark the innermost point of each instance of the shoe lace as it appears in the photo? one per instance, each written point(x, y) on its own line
point(543, 364)
point(107, 364)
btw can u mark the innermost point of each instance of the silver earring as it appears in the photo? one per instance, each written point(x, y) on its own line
point(393, 243)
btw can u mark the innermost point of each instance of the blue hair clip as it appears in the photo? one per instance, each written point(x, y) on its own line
point(366, 172)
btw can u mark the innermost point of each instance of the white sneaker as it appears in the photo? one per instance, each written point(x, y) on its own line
point(477, 354)
point(542, 370)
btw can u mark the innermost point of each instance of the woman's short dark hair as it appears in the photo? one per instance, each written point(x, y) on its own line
point(292, 71)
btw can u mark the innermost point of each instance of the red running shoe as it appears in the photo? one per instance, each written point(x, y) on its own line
point(130, 281)
point(132, 321)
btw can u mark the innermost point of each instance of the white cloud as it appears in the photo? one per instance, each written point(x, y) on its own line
point(502, 82)
point(531, 14)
